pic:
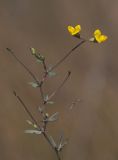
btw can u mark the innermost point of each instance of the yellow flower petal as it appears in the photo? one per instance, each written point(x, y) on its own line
point(78, 27)
point(71, 29)
point(99, 37)
point(74, 30)
point(97, 32)
point(102, 38)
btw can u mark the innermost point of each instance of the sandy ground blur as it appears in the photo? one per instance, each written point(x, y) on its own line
point(92, 126)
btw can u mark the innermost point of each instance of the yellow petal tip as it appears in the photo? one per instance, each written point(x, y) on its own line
point(74, 30)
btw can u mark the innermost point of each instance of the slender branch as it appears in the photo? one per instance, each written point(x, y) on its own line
point(57, 153)
point(28, 70)
point(35, 121)
point(61, 85)
point(67, 55)
point(44, 65)
point(26, 109)
point(40, 83)
point(41, 86)
point(23, 65)
point(43, 79)
point(55, 66)
point(42, 94)
point(55, 149)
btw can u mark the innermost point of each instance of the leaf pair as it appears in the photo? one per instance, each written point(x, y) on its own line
point(33, 131)
point(34, 84)
point(60, 145)
point(46, 99)
point(52, 118)
point(38, 56)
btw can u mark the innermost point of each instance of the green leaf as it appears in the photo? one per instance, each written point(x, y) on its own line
point(46, 98)
point(39, 61)
point(33, 51)
point(33, 131)
point(32, 124)
point(62, 142)
point(52, 74)
point(53, 142)
point(29, 122)
point(34, 84)
point(35, 126)
point(40, 57)
point(40, 109)
point(53, 117)
point(50, 102)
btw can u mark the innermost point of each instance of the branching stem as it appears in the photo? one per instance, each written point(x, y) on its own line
point(35, 122)
point(24, 66)
point(40, 84)
point(67, 55)
point(61, 85)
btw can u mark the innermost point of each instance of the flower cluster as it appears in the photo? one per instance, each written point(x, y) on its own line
point(98, 37)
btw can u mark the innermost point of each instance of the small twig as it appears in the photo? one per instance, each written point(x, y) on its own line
point(42, 94)
point(35, 122)
point(41, 86)
point(28, 70)
point(57, 153)
point(44, 65)
point(55, 66)
point(59, 62)
point(74, 103)
point(66, 56)
point(61, 85)
point(55, 149)
point(23, 65)
point(26, 109)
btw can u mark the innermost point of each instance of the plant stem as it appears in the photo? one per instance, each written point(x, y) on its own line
point(66, 56)
point(48, 140)
point(55, 66)
point(61, 85)
point(40, 83)
point(27, 110)
point(35, 121)
point(24, 66)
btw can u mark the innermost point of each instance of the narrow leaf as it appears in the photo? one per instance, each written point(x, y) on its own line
point(54, 117)
point(29, 122)
point(50, 102)
point(40, 109)
point(33, 131)
point(51, 74)
point(39, 61)
point(32, 124)
point(46, 97)
point(34, 84)
point(33, 51)
point(62, 142)
point(53, 142)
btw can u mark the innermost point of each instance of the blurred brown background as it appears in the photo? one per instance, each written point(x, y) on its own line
point(92, 126)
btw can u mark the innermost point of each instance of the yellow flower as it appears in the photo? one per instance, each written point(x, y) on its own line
point(99, 37)
point(74, 30)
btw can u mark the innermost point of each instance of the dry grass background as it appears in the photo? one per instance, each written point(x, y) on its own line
point(93, 124)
